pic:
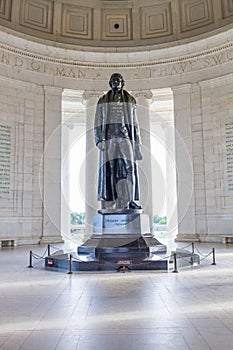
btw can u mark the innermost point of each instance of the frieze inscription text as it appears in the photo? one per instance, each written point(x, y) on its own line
point(88, 70)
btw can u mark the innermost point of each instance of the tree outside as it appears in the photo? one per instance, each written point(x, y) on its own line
point(160, 220)
point(77, 218)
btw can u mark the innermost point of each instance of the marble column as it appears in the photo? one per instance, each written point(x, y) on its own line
point(143, 99)
point(51, 176)
point(92, 205)
point(169, 142)
point(184, 164)
point(171, 189)
point(65, 179)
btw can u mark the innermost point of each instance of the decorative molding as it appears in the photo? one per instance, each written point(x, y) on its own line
point(221, 54)
point(156, 20)
point(58, 63)
point(77, 22)
point(37, 14)
point(116, 24)
point(195, 14)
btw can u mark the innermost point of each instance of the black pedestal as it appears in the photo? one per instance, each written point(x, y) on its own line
point(120, 240)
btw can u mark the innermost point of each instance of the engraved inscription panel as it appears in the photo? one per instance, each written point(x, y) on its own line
point(229, 154)
point(5, 161)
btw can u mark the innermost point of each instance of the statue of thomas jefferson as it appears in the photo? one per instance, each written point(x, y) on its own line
point(117, 136)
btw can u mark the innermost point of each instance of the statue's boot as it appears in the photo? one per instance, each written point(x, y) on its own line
point(133, 205)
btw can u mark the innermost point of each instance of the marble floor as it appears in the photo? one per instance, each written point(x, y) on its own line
point(44, 310)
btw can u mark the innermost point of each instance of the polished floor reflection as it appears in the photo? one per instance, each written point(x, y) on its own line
point(44, 310)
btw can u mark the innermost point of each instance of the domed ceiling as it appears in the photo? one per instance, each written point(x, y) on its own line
point(116, 24)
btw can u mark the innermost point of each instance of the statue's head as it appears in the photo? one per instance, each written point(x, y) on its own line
point(116, 82)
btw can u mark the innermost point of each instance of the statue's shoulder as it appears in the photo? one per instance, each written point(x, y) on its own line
point(106, 97)
point(128, 98)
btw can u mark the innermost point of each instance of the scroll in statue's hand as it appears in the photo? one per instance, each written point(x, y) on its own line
point(102, 145)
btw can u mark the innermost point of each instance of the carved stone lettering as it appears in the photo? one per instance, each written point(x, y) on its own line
point(194, 64)
point(5, 161)
point(71, 69)
point(69, 73)
point(229, 153)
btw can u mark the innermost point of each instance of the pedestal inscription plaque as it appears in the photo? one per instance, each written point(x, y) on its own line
point(121, 224)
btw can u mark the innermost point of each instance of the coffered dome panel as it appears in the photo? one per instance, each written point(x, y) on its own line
point(195, 14)
point(115, 24)
point(37, 15)
point(156, 20)
point(77, 22)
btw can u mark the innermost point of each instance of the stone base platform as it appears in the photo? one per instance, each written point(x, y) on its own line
point(119, 242)
point(88, 262)
point(109, 253)
point(61, 262)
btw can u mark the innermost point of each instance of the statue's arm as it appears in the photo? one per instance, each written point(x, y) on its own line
point(137, 136)
point(99, 126)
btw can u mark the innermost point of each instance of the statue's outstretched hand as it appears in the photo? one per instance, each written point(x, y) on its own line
point(102, 145)
point(137, 152)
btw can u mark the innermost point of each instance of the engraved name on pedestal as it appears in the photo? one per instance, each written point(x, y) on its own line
point(121, 224)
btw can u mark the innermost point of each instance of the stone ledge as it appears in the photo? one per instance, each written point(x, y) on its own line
point(187, 237)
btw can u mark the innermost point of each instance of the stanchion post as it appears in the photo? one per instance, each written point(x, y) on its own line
point(48, 249)
point(70, 272)
point(192, 247)
point(214, 260)
point(175, 263)
point(30, 260)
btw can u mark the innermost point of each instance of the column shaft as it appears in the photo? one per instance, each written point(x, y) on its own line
point(52, 166)
point(145, 171)
point(184, 164)
point(91, 187)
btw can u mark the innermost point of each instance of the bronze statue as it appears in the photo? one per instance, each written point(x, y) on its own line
point(117, 136)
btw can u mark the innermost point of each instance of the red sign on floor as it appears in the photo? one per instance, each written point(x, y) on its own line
point(124, 262)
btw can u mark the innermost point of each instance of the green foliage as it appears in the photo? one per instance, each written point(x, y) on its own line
point(77, 218)
point(156, 219)
point(163, 221)
point(160, 220)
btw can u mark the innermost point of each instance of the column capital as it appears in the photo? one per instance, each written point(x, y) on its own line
point(53, 90)
point(91, 95)
point(181, 88)
point(146, 94)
